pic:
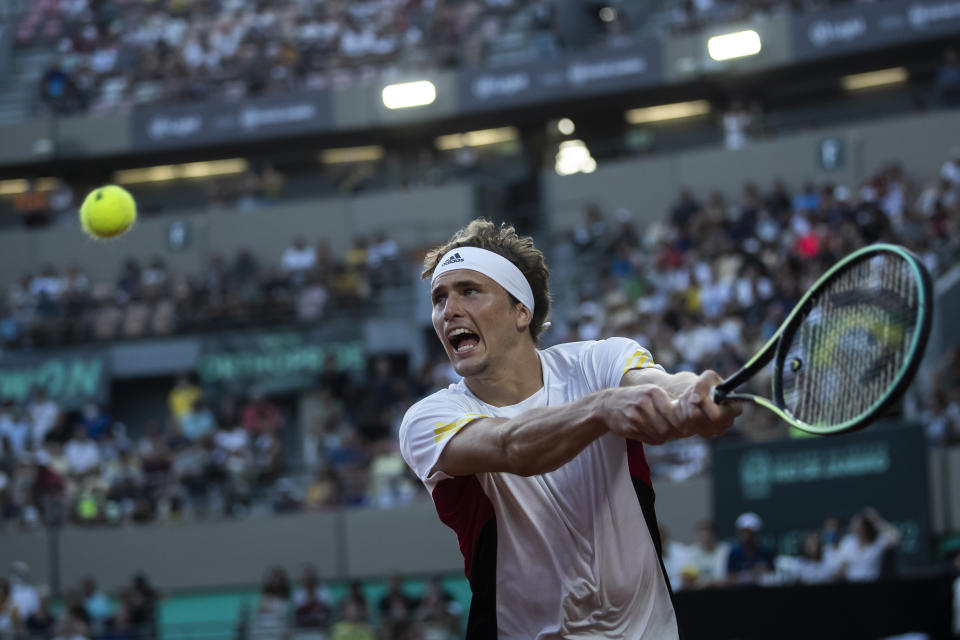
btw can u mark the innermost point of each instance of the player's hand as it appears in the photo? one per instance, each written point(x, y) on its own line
point(641, 412)
point(698, 414)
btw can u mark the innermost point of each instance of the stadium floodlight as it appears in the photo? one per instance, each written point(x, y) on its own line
point(671, 111)
point(12, 187)
point(409, 94)
point(212, 168)
point(345, 155)
point(566, 126)
point(16, 186)
point(574, 157)
point(193, 170)
point(734, 45)
point(871, 79)
point(478, 138)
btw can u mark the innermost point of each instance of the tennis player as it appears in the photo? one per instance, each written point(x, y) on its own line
point(535, 459)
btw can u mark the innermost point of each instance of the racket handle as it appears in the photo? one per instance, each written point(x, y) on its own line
point(718, 395)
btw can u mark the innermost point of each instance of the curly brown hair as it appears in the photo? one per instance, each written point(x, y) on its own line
point(503, 240)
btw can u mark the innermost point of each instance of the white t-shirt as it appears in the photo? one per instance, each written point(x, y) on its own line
point(81, 456)
point(44, 416)
point(295, 259)
point(574, 557)
point(711, 565)
point(862, 564)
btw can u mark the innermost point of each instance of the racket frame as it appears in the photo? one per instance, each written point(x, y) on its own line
point(774, 349)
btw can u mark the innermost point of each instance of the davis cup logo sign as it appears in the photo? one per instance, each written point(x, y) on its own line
point(756, 475)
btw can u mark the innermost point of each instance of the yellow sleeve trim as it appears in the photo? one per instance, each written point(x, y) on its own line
point(445, 430)
point(640, 359)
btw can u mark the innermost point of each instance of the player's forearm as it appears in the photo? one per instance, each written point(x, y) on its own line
point(674, 384)
point(542, 440)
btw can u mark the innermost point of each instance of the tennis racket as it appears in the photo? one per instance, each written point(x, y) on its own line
point(850, 347)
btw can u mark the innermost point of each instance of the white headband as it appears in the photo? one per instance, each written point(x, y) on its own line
point(490, 264)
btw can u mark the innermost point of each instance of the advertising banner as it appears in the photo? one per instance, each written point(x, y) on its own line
point(794, 485)
point(562, 78)
point(276, 362)
point(863, 27)
point(70, 378)
point(207, 123)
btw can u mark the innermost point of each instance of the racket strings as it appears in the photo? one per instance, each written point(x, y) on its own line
point(852, 341)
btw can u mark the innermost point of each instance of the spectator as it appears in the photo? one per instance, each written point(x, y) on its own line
point(395, 601)
point(353, 624)
point(312, 298)
point(261, 415)
point(356, 596)
point(438, 612)
point(324, 491)
point(273, 611)
point(737, 122)
point(286, 500)
point(142, 599)
point(708, 556)
point(95, 420)
point(97, 604)
point(831, 536)
point(44, 415)
point(312, 601)
point(120, 626)
point(82, 453)
point(198, 422)
point(181, 398)
point(40, 623)
point(862, 551)
point(814, 567)
point(15, 429)
point(298, 259)
point(25, 597)
point(674, 557)
point(749, 560)
point(9, 615)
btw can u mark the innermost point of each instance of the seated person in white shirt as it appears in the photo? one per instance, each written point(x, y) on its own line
point(861, 552)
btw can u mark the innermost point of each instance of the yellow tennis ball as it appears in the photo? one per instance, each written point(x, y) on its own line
point(108, 211)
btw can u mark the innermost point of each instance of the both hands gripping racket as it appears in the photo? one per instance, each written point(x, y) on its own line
point(850, 347)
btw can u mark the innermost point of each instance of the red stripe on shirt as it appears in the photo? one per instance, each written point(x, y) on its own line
point(637, 462)
point(464, 507)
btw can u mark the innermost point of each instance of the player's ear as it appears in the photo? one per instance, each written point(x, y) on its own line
point(524, 317)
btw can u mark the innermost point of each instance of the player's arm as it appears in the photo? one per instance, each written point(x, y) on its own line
point(675, 384)
point(692, 394)
point(543, 439)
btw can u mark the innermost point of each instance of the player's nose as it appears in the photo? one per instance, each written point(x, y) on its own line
point(451, 307)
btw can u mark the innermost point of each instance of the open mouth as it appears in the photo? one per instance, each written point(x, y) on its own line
point(463, 340)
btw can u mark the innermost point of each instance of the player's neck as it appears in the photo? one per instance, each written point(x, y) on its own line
point(516, 379)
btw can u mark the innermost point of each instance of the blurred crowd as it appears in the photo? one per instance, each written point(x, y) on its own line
point(863, 551)
point(307, 609)
point(434, 614)
point(212, 454)
point(27, 610)
point(708, 285)
point(308, 282)
point(117, 53)
point(704, 288)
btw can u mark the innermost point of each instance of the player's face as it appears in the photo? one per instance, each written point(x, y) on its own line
point(475, 320)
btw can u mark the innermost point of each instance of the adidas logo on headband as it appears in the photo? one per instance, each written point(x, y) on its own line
point(452, 259)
